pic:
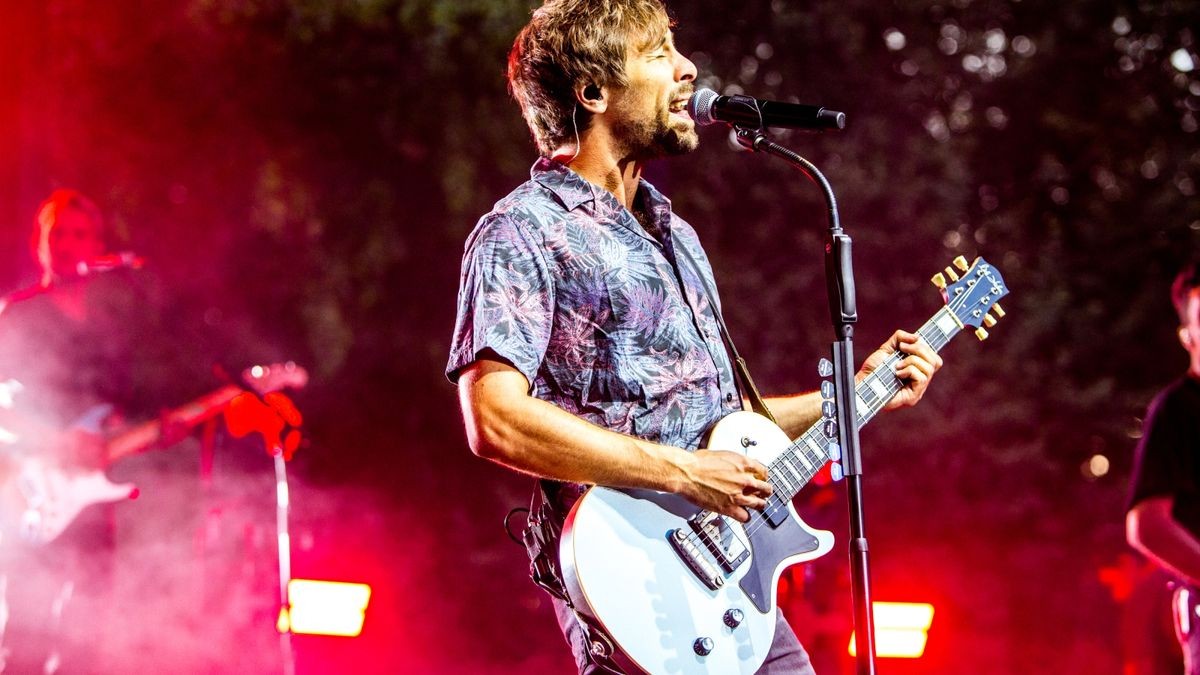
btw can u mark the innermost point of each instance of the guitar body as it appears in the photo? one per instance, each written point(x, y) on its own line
point(624, 573)
point(40, 497)
point(53, 496)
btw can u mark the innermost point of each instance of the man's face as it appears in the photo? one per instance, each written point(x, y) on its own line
point(651, 111)
point(1189, 332)
point(73, 238)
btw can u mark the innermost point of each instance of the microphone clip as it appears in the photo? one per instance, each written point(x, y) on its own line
point(745, 113)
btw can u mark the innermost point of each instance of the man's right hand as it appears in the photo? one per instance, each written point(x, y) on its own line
point(726, 482)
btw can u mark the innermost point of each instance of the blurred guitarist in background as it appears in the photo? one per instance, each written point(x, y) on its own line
point(1163, 520)
point(69, 348)
point(587, 348)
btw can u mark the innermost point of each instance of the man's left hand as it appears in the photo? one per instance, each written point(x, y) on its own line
point(916, 369)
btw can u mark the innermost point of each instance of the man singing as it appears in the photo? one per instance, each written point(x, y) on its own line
point(587, 349)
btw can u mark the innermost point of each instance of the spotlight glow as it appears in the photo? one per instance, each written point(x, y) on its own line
point(324, 608)
point(901, 629)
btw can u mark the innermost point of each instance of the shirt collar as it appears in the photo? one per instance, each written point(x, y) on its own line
point(572, 190)
point(569, 187)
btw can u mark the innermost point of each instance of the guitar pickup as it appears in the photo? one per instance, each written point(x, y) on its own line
point(709, 547)
point(719, 539)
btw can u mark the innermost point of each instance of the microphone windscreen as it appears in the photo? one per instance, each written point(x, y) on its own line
point(700, 106)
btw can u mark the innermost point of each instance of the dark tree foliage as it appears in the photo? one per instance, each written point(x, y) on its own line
point(310, 170)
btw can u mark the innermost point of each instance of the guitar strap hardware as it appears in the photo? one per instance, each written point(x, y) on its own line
point(543, 528)
point(540, 537)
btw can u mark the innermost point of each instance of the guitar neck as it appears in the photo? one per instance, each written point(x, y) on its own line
point(796, 466)
point(147, 435)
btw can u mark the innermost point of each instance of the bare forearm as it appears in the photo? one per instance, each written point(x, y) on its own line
point(1151, 529)
point(506, 425)
point(795, 414)
point(535, 437)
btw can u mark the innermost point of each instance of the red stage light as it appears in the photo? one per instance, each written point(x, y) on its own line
point(901, 629)
point(324, 608)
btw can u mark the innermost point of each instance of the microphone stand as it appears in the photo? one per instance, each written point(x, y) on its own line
point(839, 281)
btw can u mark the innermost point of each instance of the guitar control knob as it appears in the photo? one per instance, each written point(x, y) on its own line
point(733, 618)
point(703, 646)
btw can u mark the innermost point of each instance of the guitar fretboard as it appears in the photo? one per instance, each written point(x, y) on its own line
point(796, 466)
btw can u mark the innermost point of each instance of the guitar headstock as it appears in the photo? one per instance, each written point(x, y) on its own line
point(274, 377)
point(974, 296)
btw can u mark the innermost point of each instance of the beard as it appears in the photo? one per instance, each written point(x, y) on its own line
point(657, 138)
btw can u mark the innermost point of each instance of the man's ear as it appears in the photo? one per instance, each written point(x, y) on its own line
point(1185, 337)
point(592, 97)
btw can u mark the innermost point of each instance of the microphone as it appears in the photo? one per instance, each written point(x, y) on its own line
point(109, 262)
point(707, 107)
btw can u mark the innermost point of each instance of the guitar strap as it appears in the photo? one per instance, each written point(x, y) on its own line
point(741, 371)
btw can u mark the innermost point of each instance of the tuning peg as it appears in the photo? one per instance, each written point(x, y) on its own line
point(981, 334)
point(961, 263)
point(939, 280)
point(998, 310)
point(952, 274)
point(989, 320)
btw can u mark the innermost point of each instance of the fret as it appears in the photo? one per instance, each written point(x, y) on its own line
point(804, 460)
point(818, 453)
point(800, 479)
point(877, 387)
point(776, 474)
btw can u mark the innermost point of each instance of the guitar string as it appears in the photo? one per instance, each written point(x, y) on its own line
point(953, 305)
point(780, 505)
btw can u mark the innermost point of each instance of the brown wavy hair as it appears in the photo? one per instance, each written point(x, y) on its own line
point(569, 43)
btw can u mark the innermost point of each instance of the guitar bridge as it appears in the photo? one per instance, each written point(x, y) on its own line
point(710, 548)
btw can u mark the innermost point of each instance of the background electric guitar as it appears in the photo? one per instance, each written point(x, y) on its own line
point(682, 590)
point(40, 496)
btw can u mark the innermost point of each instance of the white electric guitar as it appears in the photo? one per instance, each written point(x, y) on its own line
point(40, 496)
point(675, 589)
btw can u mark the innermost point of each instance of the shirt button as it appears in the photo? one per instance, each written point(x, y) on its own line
point(729, 398)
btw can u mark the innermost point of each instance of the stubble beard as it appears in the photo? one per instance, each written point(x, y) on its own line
point(658, 138)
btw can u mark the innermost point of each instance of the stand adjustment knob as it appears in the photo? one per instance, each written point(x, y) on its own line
point(703, 646)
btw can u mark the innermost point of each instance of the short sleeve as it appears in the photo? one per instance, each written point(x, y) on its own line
point(1164, 464)
point(505, 298)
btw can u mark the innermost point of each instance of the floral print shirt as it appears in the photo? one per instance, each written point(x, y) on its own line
point(607, 319)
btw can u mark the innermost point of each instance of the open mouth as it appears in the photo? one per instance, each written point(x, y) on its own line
point(679, 105)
